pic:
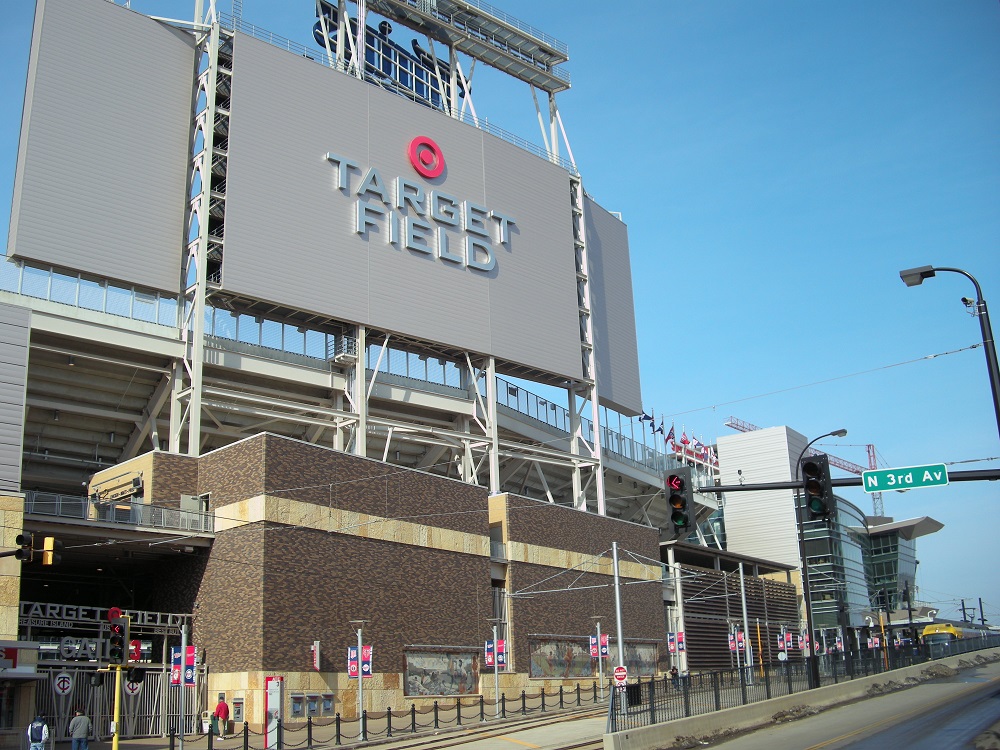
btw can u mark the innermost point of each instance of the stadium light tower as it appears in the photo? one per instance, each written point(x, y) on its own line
point(813, 661)
point(916, 276)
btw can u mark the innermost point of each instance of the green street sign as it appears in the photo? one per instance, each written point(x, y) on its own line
point(905, 478)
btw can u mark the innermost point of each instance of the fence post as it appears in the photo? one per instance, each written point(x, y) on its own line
point(652, 700)
point(458, 711)
point(413, 717)
point(767, 681)
point(437, 724)
point(524, 704)
point(788, 676)
point(743, 684)
point(716, 691)
point(309, 732)
point(337, 733)
point(686, 688)
point(388, 721)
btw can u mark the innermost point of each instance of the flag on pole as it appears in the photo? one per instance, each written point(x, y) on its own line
point(670, 435)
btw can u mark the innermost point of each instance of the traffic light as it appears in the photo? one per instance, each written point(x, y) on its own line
point(26, 542)
point(134, 674)
point(680, 497)
point(96, 679)
point(818, 486)
point(51, 551)
point(118, 640)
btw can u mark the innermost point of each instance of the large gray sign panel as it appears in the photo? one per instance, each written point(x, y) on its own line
point(15, 332)
point(103, 160)
point(334, 205)
point(613, 310)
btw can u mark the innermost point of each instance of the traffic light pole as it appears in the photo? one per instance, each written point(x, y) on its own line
point(118, 707)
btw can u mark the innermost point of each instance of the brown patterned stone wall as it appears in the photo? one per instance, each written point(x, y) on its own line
point(569, 613)
point(173, 475)
point(229, 620)
point(233, 473)
point(548, 525)
point(269, 593)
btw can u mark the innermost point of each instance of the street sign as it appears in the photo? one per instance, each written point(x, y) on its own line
point(905, 478)
point(621, 675)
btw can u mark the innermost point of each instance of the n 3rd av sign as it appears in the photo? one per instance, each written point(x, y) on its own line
point(905, 478)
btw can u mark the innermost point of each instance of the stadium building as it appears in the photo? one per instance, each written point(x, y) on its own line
point(301, 352)
point(281, 336)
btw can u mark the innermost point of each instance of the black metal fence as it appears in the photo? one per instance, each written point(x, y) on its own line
point(662, 699)
point(379, 725)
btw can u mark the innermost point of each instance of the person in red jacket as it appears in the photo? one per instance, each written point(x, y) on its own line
point(222, 714)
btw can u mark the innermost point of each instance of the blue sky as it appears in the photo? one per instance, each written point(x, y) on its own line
point(777, 163)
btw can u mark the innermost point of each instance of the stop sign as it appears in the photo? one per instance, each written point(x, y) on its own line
point(621, 674)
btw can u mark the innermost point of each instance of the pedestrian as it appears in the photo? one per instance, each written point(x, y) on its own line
point(674, 676)
point(222, 714)
point(38, 733)
point(79, 730)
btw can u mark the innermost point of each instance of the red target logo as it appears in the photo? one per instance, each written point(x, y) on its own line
point(426, 157)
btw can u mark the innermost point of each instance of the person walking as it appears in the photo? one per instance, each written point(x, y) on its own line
point(222, 714)
point(79, 730)
point(38, 733)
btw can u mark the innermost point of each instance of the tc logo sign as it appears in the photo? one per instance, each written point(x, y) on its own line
point(426, 157)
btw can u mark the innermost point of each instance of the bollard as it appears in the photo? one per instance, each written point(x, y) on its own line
point(337, 731)
point(413, 717)
point(595, 691)
point(458, 711)
point(309, 732)
point(503, 705)
point(578, 694)
point(364, 727)
point(561, 706)
point(281, 734)
point(388, 722)
point(211, 737)
point(437, 724)
point(173, 736)
point(482, 708)
point(524, 704)
point(543, 700)
point(246, 735)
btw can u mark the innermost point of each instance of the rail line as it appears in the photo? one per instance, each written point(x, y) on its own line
point(457, 737)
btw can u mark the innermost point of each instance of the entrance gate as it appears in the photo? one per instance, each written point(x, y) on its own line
point(150, 708)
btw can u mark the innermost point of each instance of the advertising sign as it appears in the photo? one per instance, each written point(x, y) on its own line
point(366, 661)
point(488, 659)
point(671, 643)
point(352, 662)
point(680, 641)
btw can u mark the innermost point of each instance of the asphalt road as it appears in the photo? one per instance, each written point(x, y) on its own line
point(938, 715)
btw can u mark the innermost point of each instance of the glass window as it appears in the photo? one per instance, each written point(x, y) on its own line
point(64, 288)
point(35, 282)
point(119, 301)
point(92, 294)
point(144, 307)
point(166, 313)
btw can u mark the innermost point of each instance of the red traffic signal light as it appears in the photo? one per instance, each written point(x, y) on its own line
point(680, 498)
point(117, 640)
point(819, 499)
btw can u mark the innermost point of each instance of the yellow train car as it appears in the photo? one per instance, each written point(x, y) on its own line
point(940, 633)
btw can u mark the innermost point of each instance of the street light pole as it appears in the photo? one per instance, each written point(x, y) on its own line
point(806, 597)
point(916, 276)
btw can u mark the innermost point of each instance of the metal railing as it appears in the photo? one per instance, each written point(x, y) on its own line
point(270, 339)
point(122, 512)
point(663, 699)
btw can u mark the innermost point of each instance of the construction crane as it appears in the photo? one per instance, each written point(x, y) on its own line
point(849, 466)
